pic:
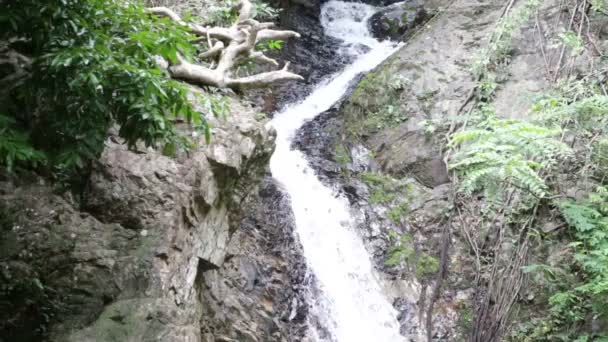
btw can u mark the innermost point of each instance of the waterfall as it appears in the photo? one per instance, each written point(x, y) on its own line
point(349, 303)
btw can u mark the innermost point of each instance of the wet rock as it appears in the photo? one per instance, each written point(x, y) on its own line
point(313, 55)
point(259, 293)
point(378, 3)
point(316, 139)
point(402, 152)
point(394, 21)
point(130, 267)
point(408, 313)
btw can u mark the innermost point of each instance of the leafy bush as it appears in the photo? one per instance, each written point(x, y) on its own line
point(15, 146)
point(225, 14)
point(581, 297)
point(95, 67)
point(589, 113)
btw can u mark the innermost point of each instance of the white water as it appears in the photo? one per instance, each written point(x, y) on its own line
point(350, 304)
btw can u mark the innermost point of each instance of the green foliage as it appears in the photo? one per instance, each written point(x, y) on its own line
point(374, 103)
point(393, 193)
point(426, 265)
point(573, 41)
point(487, 87)
point(465, 318)
point(386, 117)
point(600, 154)
point(498, 47)
point(95, 68)
point(226, 15)
point(582, 297)
point(265, 12)
point(16, 147)
point(384, 188)
point(589, 113)
point(341, 155)
point(402, 254)
point(270, 45)
point(599, 6)
point(398, 212)
point(398, 83)
point(261, 116)
point(500, 153)
point(430, 126)
point(401, 251)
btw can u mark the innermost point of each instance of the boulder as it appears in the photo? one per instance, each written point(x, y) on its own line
point(395, 21)
point(402, 152)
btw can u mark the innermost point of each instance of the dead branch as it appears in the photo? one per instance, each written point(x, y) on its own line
point(441, 276)
point(227, 47)
point(558, 67)
point(505, 283)
point(20, 65)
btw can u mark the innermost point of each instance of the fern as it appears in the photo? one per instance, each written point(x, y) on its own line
point(580, 216)
point(590, 113)
point(584, 296)
point(510, 152)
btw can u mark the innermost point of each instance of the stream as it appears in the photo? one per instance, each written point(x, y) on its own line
point(349, 303)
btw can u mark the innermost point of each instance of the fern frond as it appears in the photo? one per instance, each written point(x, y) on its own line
point(469, 135)
point(506, 151)
point(529, 179)
point(474, 179)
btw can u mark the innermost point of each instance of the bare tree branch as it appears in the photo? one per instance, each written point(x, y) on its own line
point(214, 51)
point(227, 48)
point(20, 64)
point(276, 34)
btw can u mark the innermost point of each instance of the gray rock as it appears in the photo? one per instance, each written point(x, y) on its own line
point(395, 21)
point(130, 267)
point(402, 152)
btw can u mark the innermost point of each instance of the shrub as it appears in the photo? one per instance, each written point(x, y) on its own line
point(94, 67)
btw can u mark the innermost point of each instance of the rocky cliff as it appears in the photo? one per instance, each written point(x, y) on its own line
point(150, 253)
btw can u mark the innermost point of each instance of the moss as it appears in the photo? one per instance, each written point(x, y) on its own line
point(341, 155)
point(383, 188)
point(387, 190)
point(373, 104)
point(386, 117)
point(404, 256)
point(380, 196)
point(376, 179)
point(426, 265)
point(398, 212)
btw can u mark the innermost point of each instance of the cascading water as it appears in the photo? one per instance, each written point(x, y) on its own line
point(350, 305)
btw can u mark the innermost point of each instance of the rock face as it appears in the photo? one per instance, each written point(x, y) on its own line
point(394, 21)
point(259, 292)
point(313, 55)
point(417, 155)
point(134, 263)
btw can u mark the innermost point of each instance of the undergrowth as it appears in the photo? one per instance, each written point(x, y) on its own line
point(518, 168)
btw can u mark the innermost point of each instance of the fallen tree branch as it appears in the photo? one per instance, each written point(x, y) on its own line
point(227, 47)
point(20, 65)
